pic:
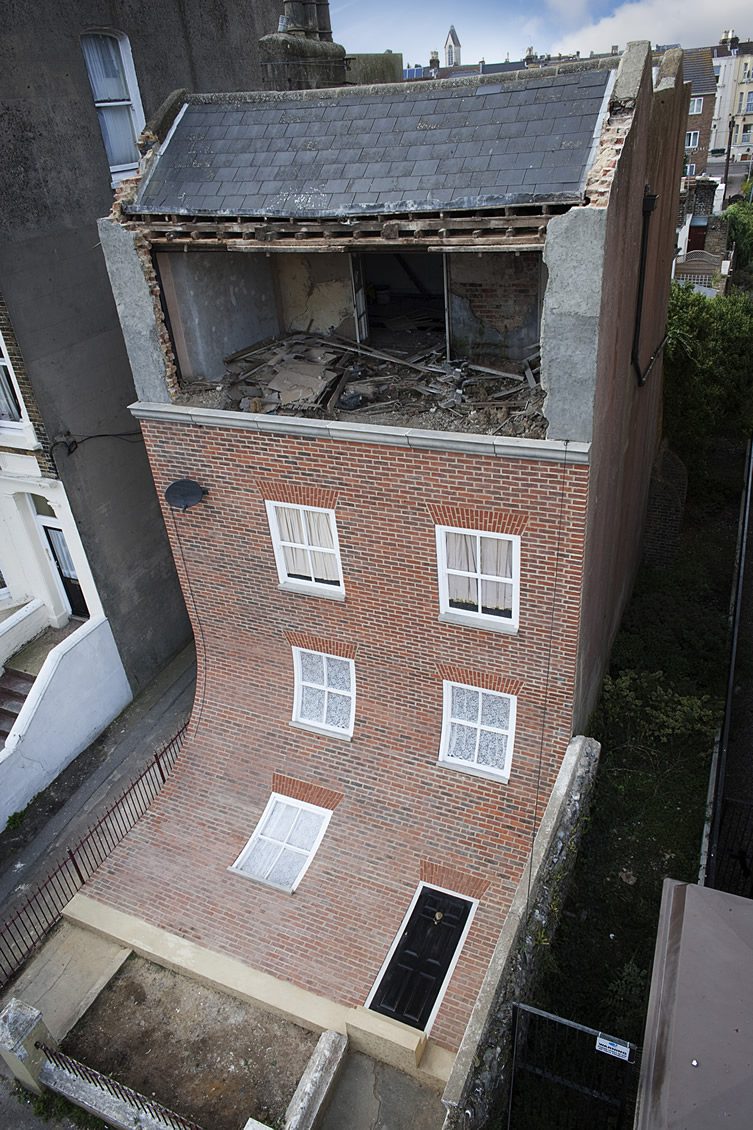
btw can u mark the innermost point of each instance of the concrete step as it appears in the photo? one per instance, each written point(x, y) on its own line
point(10, 701)
point(7, 718)
point(67, 975)
point(16, 682)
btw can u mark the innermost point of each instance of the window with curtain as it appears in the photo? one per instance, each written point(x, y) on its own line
point(116, 97)
point(325, 691)
point(478, 576)
point(10, 402)
point(284, 842)
point(306, 548)
point(478, 728)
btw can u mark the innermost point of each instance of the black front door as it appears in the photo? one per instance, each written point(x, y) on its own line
point(66, 569)
point(414, 977)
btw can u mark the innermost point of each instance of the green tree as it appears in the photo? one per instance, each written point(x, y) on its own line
point(708, 370)
point(740, 220)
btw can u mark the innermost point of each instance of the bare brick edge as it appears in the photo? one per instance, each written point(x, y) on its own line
point(305, 791)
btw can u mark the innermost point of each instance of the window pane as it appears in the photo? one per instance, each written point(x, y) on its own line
point(318, 529)
point(306, 829)
point(9, 407)
point(312, 705)
point(287, 868)
point(338, 674)
point(462, 592)
point(312, 667)
point(324, 567)
point(495, 711)
point(461, 552)
point(496, 557)
point(296, 562)
point(338, 711)
point(289, 524)
point(116, 123)
point(496, 598)
point(462, 742)
point(63, 557)
point(280, 820)
point(260, 858)
point(491, 749)
point(465, 704)
point(103, 65)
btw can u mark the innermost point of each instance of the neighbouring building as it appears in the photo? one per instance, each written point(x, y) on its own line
point(452, 48)
point(698, 66)
point(397, 353)
point(83, 551)
point(733, 65)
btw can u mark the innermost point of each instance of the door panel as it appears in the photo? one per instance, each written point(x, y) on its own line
point(414, 977)
point(67, 570)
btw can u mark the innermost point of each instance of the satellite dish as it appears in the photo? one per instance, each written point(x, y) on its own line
point(184, 493)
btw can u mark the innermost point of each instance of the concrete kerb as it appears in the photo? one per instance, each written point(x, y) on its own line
point(317, 1082)
point(512, 967)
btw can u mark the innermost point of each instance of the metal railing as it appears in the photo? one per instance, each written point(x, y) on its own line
point(26, 927)
point(126, 1095)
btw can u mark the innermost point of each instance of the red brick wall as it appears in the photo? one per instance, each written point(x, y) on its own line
point(402, 818)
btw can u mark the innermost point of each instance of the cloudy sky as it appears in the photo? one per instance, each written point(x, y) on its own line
point(490, 29)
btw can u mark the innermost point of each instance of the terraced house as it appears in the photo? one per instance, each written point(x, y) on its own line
point(398, 358)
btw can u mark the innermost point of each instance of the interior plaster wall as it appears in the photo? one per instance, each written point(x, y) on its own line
point(217, 303)
point(316, 293)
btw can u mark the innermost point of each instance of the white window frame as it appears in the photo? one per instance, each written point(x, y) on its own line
point(690, 171)
point(296, 584)
point(300, 683)
point(473, 767)
point(133, 102)
point(452, 615)
point(455, 957)
point(749, 102)
point(15, 433)
point(689, 142)
point(237, 867)
point(696, 106)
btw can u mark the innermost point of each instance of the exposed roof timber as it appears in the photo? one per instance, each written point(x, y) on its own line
point(510, 229)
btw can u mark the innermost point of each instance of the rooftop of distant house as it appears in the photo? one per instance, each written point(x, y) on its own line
point(698, 70)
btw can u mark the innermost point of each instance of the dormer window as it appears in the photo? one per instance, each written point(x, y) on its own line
point(112, 78)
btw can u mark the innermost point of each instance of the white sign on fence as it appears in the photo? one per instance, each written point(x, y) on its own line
point(620, 1049)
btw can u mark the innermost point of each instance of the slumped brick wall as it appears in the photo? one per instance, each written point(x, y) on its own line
point(398, 817)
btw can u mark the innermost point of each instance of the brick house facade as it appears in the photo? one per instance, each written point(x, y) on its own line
point(400, 623)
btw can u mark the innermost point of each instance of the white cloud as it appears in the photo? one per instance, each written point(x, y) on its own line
point(692, 23)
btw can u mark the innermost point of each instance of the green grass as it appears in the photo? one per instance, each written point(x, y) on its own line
point(50, 1107)
point(657, 718)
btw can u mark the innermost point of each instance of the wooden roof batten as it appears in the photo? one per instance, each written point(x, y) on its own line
point(513, 227)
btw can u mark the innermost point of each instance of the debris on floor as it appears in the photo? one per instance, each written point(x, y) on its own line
point(333, 378)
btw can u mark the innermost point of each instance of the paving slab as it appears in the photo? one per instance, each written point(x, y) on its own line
point(373, 1096)
point(67, 975)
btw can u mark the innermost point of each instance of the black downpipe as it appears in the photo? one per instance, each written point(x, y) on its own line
point(649, 203)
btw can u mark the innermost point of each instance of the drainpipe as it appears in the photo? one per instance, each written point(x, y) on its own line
point(649, 203)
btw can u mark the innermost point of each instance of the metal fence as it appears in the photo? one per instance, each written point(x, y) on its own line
point(567, 1077)
point(138, 1103)
point(42, 909)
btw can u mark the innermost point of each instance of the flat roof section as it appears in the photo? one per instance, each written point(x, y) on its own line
point(698, 1048)
point(460, 145)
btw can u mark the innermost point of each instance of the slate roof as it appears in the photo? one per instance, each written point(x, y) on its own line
point(698, 70)
point(467, 144)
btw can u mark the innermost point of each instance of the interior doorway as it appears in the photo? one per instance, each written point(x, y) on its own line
point(399, 299)
point(59, 556)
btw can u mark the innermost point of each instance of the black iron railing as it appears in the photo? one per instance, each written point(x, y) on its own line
point(126, 1095)
point(22, 932)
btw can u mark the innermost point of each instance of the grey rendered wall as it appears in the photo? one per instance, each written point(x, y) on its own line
point(54, 184)
point(217, 303)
